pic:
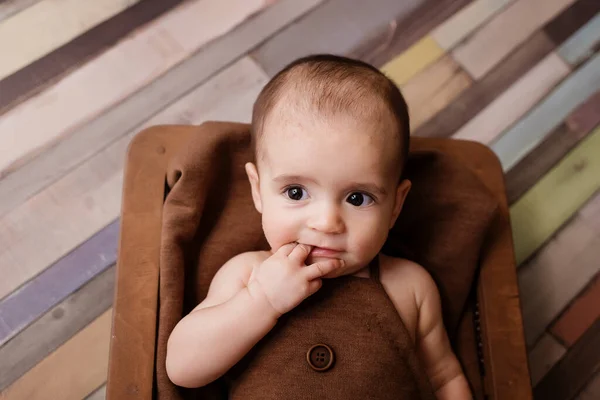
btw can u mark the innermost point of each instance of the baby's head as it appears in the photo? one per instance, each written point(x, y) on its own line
point(331, 139)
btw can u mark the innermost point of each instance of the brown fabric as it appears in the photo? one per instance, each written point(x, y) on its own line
point(208, 217)
point(374, 357)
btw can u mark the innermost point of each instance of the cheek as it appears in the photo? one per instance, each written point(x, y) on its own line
point(280, 226)
point(368, 235)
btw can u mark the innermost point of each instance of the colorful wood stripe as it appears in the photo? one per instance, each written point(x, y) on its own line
point(546, 286)
point(570, 375)
point(505, 32)
point(526, 134)
point(556, 197)
point(433, 89)
point(99, 394)
point(43, 27)
point(56, 327)
point(515, 101)
point(88, 198)
point(413, 60)
point(55, 283)
point(483, 92)
point(71, 372)
point(582, 43)
point(554, 147)
point(9, 8)
point(118, 73)
point(546, 353)
point(463, 23)
point(36, 76)
point(580, 315)
point(591, 390)
point(133, 111)
point(571, 19)
point(330, 28)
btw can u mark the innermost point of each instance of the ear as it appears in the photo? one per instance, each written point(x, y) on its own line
point(252, 173)
point(401, 193)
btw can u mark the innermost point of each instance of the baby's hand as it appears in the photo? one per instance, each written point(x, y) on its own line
point(285, 281)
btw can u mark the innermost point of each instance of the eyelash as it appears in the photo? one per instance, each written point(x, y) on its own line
point(287, 188)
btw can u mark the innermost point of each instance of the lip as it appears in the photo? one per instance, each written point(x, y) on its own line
point(324, 252)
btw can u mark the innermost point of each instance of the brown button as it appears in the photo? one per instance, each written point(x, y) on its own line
point(320, 357)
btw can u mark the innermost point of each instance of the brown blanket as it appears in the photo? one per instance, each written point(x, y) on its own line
point(209, 217)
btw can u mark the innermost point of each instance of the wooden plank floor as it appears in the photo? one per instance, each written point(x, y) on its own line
point(521, 76)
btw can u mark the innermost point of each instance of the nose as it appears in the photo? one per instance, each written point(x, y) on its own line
point(327, 219)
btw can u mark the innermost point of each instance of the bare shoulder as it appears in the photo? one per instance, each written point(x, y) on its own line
point(232, 277)
point(407, 284)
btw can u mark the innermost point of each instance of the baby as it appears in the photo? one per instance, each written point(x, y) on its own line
point(331, 139)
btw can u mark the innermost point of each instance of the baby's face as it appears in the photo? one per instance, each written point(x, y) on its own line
point(329, 185)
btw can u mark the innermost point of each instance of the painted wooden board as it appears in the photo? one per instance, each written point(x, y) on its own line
point(85, 200)
point(9, 8)
point(570, 20)
point(56, 327)
point(494, 41)
point(47, 25)
point(433, 88)
point(569, 375)
point(466, 21)
point(55, 283)
point(96, 134)
point(404, 30)
point(555, 146)
point(591, 391)
point(43, 72)
point(71, 372)
point(515, 101)
point(484, 91)
point(543, 356)
point(582, 44)
point(337, 26)
point(581, 314)
point(556, 197)
point(557, 273)
point(99, 394)
point(408, 64)
point(526, 134)
point(32, 127)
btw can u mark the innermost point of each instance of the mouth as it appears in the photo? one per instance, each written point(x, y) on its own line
point(324, 252)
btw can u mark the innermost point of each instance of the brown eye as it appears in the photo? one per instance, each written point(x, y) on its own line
point(296, 193)
point(358, 199)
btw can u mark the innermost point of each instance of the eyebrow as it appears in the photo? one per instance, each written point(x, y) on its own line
point(367, 187)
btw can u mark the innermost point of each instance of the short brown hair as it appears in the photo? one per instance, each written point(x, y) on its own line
point(335, 84)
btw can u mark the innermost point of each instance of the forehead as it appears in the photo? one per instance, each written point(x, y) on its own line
point(339, 148)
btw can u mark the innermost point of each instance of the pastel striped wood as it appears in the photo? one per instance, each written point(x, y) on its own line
point(38, 75)
point(494, 41)
point(47, 25)
point(99, 394)
point(515, 101)
point(56, 327)
point(55, 283)
point(591, 214)
point(555, 146)
point(71, 372)
point(580, 314)
point(543, 356)
point(556, 197)
point(39, 123)
point(413, 60)
point(582, 43)
point(570, 375)
point(591, 391)
point(484, 91)
point(337, 26)
point(557, 273)
point(433, 88)
point(133, 111)
point(9, 8)
point(467, 20)
point(570, 20)
point(88, 198)
point(526, 134)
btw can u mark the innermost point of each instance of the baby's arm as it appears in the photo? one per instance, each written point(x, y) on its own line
point(442, 366)
point(221, 329)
